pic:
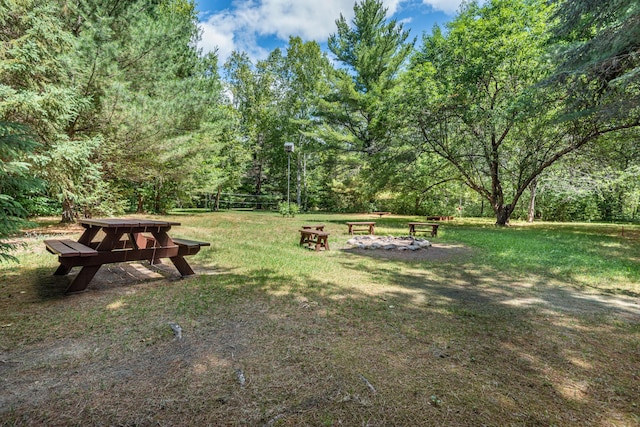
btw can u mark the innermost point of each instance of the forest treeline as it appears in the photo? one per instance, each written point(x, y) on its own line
point(515, 108)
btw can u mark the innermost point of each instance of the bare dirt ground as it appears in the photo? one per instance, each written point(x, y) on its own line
point(437, 252)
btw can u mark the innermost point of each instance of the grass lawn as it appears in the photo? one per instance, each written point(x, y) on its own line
point(532, 325)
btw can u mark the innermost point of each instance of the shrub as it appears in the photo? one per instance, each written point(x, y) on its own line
point(287, 209)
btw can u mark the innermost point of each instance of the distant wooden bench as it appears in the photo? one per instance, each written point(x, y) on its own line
point(416, 227)
point(380, 214)
point(318, 227)
point(361, 226)
point(439, 218)
point(316, 238)
point(66, 248)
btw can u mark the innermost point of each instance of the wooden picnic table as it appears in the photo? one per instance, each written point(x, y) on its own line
point(361, 226)
point(380, 214)
point(121, 240)
point(416, 227)
point(314, 237)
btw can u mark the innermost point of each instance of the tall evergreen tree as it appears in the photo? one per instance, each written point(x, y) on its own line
point(15, 179)
point(372, 52)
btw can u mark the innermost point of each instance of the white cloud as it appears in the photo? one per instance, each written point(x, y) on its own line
point(447, 6)
point(239, 28)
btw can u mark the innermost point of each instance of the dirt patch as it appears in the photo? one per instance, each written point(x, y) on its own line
point(436, 252)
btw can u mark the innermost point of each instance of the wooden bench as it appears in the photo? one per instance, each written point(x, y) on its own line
point(66, 248)
point(414, 227)
point(317, 238)
point(318, 227)
point(439, 218)
point(380, 214)
point(361, 226)
point(189, 247)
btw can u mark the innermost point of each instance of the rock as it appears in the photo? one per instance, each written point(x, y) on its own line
point(388, 242)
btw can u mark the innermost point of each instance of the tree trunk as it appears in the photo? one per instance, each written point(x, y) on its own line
point(532, 202)
point(68, 214)
point(140, 207)
point(258, 165)
point(503, 213)
point(217, 205)
point(304, 182)
point(259, 185)
point(298, 181)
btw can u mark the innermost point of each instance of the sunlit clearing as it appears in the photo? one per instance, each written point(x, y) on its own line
point(581, 363)
point(116, 305)
point(573, 390)
point(211, 361)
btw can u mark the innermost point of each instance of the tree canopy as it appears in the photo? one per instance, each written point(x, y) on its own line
point(110, 107)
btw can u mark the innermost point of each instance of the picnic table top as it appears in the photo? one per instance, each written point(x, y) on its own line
point(125, 222)
point(361, 223)
point(422, 223)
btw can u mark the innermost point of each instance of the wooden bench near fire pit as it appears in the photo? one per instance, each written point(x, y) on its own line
point(361, 226)
point(416, 227)
point(317, 238)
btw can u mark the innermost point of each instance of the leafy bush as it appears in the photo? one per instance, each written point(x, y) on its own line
point(287, 209)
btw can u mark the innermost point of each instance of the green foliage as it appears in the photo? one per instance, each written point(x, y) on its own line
point(15, 178)
point(601, 42)
point(288, 209)
point(373, 49)
point(129, 116)
point(109, 89)
point(475, 94)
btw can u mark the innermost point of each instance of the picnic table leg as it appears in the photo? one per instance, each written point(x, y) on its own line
point(325, 242)
point(82, 280)
point(182, 265)
point(62, 270)
point(88, 235)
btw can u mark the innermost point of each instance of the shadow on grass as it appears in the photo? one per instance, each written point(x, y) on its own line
point(438, 344)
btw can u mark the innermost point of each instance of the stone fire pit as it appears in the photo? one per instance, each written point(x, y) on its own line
point(402, 243)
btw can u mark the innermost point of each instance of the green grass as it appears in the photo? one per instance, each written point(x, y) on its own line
point(529, 325)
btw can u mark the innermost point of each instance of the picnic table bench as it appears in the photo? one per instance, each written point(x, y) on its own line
point(439, 218)
point(361, 226)
point(314, 237)
point(122, 240)
point(415, 227)
point(319, 227)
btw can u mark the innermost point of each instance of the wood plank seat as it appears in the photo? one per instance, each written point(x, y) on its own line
point(66, 248)
point(319, 227)
point(415, 227)
point(316, 238)
point(361, 226)
point(189, 247)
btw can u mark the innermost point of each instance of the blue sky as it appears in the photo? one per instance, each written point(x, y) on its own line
point(259, 26)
